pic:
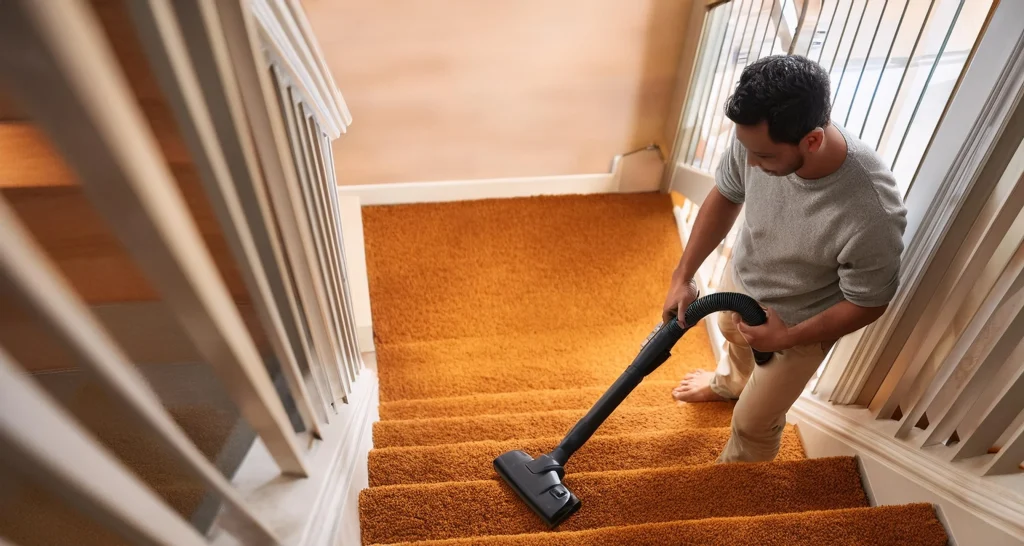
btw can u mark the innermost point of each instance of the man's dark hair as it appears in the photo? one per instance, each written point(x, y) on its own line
point(790, 93)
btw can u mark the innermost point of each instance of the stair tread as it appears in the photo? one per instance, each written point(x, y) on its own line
point(648, 393)
point(907, 525)
point(442, 368)
point(471, 461)
point(400, 513)
point(447, 430)
point(517, 267)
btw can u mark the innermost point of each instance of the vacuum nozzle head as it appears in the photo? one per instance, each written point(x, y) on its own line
point(538, 482)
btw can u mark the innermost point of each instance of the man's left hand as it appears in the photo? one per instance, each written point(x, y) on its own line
point(770, 337)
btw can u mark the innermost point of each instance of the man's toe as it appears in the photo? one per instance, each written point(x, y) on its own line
point(684, 396)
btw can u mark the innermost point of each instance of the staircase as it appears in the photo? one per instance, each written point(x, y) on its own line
point(500, 322)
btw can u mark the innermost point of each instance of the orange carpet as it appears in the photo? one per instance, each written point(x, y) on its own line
point(498, 323)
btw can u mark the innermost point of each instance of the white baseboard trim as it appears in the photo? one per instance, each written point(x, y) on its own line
point(364, 338)
point(355, 471)
point(336, 516)
point(321, 509)
point(354, 255)
point(976, 509)
point(638, 171)
point(692, 182)
point(494, 188)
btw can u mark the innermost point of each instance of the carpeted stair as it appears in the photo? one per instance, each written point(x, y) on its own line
point(500, 322)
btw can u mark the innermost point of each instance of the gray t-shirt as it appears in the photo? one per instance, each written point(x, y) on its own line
point(806, 245)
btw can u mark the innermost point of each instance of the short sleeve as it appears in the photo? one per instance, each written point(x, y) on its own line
point(729, 175)
point(869, 268)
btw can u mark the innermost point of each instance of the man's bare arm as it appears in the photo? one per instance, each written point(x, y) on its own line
point(714, 220)
point(835, 322)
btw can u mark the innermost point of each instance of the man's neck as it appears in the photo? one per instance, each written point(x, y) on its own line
point(828, 159)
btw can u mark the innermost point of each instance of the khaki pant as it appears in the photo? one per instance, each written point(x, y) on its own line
point(764, 393)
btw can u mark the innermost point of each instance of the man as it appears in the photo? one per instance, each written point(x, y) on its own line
point(819, 248)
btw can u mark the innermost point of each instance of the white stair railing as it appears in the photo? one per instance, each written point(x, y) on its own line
point(41, 440)
point(959, 368)
point(244, 87)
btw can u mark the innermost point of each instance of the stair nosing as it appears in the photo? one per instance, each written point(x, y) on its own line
point(510, 393)
point(613, 473)
point(695, 431)
point(656, 524)
point(581, 411)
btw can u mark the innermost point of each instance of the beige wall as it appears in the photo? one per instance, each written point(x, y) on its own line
point(467, 89)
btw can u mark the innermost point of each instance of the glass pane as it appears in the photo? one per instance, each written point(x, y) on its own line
point(711, 107)
point(893, 65)
point(827, 14)
point(877, 22)
point(758, 29)
point(712, 33)
point(839, 35)
point(947, 66)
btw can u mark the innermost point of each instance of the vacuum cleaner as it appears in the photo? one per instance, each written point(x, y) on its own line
point(538, 482)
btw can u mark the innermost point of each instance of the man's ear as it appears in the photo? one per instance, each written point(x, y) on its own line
point(813, 140)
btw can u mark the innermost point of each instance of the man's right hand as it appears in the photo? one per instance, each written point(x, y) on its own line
point(681, 293)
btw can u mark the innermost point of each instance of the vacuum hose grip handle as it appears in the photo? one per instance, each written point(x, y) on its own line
point(748, 309)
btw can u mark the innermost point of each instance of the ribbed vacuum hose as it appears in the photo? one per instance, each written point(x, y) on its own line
point(747, 307)
point(744, 305)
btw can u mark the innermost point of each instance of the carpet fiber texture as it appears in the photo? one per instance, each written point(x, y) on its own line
point(499, 323)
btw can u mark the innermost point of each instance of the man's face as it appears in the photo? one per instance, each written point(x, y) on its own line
point(774, 158)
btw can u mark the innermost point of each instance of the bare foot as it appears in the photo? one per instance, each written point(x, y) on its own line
point(696, 387)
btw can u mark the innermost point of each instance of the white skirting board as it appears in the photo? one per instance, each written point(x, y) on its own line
point(346, 529)
point(975, 510)
point(321, 509)
point(349, 209)
point(468, 190)
point(694, 183)
point(636, 172)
